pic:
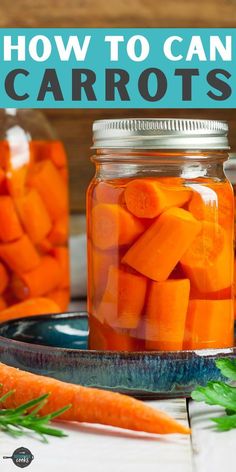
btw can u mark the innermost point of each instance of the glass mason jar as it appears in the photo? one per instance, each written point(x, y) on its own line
point(34, 260)
point(160, 236)
point(230, 170)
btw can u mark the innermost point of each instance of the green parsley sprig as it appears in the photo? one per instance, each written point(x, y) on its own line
point(17, 421)
point(221, 394)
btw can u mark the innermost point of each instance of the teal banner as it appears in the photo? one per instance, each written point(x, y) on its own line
point(118, 68)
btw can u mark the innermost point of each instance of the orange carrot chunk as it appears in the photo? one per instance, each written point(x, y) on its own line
point(59, 233)
point(34, 306)
point(209, 324)
point(148, 198)
point(98, 267)
point(123, 299)
point(62, 256)
point(3, 304)
point(89, 405)
point(113, 226)
point(61, 297)
point(108, 193)
point(103, 338)
point(54, 151)
point(46, 179)
point(4, 278)
point(34, 216)
point(166, 314)
point(41, 280)
point(10, 227)
point(20, 256)
point(159, 249)
point(212, 202)
point(208, 262)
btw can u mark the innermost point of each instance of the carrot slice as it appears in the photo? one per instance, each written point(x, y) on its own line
point(98, 267)
point(59, 233)
point(123, 299)
point(46, 179)
point(113, 226)
point(208, 262)
point(54, 151)
point(212, 202)
point(209, 324)
point(41, 280)
point(45, 246)
point(62, 256)
point(89, 405)
point(4, 278)
point(159, 249)
point(108, 193)
point(34, 216)
point(103, 338)
point(3, 304)
point(34, 306)
point(147, 198)
point(166, 312)
point(10, 227)
point(20, 256)
point(60, 297)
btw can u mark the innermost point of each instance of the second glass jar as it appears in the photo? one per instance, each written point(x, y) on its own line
point(160, 236)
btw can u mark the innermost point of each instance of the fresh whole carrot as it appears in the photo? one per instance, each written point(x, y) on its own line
point(88, 405)
point(31, 307)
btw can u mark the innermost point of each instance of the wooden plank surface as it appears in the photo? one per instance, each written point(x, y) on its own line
point(212, 451)
point(90, 448)
point(100, 13)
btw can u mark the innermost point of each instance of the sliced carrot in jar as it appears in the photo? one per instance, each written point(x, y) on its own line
point(62, 256)
point(166, 313)
point(34, 216)
point(209, 324)
point(123, 299)
point(156, 253)
point(147, 198)
point(58, 236)
point(208, 262)
point(20, 256)
point(10, 227)
point(39, 281)
point(108, 193)
point(113, 226)
point(4, 278)
point(61, 297)
point(46, 179)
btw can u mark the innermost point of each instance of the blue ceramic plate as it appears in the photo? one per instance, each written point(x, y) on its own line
point(56, 345)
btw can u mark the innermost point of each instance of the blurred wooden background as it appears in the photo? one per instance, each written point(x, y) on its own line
point(74, 126)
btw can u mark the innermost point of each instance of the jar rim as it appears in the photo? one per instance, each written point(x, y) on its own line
point(160, 133)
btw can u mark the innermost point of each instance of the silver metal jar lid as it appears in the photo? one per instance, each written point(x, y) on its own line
point(160, 133)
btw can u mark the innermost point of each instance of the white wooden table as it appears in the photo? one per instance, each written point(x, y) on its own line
point(102, 449)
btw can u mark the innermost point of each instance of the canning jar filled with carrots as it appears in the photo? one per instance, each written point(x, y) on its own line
point(230, 170)
point(34, 260)
point(160, 236)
